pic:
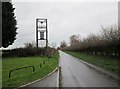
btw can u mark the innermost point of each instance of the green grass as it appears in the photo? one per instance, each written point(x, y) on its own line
point(24, 76)
point(110, 64)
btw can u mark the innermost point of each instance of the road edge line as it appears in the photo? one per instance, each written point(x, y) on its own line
point(58, 78)
point(37, 79)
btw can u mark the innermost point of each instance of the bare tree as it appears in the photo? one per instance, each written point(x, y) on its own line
point(63, 44)
point(29, 45)
point(74, 39)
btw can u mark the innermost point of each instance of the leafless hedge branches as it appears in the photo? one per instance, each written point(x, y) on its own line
point(106, 42)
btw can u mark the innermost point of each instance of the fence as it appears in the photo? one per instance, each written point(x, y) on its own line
point(20, 69)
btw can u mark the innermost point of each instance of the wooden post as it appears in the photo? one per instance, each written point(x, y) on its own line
point(46, 35)
point(37, 33)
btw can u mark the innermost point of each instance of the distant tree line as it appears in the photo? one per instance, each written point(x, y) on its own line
point(28, 50)
point(106, 43)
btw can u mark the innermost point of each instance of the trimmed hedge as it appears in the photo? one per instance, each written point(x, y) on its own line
point(25, 52)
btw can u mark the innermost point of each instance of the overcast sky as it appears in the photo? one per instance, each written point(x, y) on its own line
point(64, 19)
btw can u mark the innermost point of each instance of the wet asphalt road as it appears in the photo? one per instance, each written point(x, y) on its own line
point(76, 74)
point(50, 81)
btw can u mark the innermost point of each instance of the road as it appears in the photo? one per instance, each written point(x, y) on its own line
point(76, 74)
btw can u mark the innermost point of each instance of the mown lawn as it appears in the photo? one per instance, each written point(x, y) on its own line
point(24, 76)
point(110, 64)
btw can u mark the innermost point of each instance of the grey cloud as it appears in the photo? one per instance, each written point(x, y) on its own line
point(64, 19)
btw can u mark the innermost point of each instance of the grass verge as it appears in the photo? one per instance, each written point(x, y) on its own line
point(110, 64)
point(26, 75)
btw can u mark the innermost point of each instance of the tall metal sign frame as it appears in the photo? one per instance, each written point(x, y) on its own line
point(41, 28)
